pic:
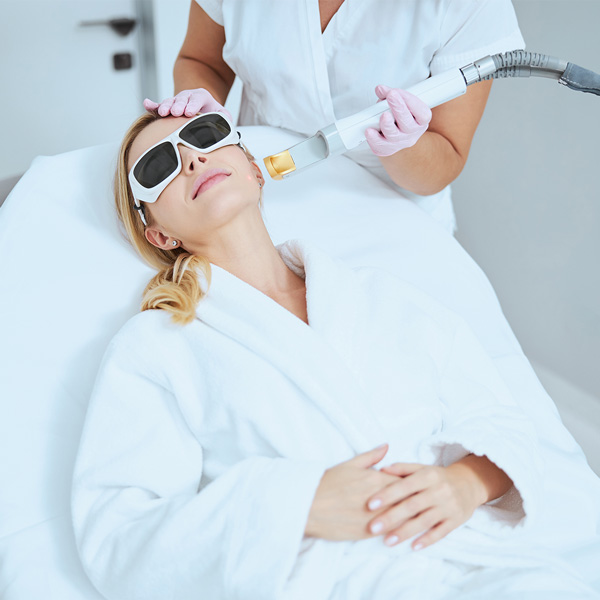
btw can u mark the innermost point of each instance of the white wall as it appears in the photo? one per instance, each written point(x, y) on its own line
point(528, 201)
point(57, 79)
point(170, 26)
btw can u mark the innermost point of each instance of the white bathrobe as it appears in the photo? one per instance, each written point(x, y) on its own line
point(204, 444)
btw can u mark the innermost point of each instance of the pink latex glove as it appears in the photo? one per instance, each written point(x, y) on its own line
point(403, 126)
point(187, 103)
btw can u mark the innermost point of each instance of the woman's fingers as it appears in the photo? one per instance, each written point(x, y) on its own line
point(423, 522)
point(400, 489)
point(403, 469)
point(434, 534)
point(426, 499)
point(402, 512)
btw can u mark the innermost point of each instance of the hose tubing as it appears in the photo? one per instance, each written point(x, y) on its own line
point(530, 64)
point(581, 80)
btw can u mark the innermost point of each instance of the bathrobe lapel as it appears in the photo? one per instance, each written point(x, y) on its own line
point(316, 358)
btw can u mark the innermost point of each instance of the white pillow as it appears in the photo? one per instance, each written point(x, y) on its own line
point(69, 281)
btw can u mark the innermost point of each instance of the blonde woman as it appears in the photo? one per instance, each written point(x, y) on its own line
point(230, 444)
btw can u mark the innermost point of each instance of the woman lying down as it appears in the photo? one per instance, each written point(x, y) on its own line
point(276, 425)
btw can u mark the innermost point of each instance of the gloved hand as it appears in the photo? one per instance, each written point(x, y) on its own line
point(187, 103)
point(403, 126)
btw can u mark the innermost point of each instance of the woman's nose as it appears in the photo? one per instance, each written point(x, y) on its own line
point(191, 159)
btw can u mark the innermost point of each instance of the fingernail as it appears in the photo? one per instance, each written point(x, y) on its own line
point(375, 504)
point(377, 527)
point(391, 540)
point(417, 546)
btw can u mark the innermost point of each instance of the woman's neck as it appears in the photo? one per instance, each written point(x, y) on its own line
point(246, 250)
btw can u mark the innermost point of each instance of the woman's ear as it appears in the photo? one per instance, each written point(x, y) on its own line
point(157, 238)
point(258, 173)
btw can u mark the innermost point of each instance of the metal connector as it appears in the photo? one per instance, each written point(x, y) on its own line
point(479, 69)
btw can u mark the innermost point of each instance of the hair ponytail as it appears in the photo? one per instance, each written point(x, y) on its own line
point(177, 288)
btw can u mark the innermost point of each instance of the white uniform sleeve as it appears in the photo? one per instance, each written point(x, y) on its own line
point(472, 29)
point(214, 9)
point(144, 531)
point(482, 418)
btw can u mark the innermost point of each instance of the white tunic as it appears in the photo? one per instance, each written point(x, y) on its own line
point(299, 79)
point(203, 446)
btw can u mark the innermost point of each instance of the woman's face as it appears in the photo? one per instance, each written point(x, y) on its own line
point(181, 214)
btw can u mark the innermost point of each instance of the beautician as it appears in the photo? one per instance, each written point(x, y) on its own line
point(306, 63)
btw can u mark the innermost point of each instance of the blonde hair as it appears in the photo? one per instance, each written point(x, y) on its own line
point(176, 287)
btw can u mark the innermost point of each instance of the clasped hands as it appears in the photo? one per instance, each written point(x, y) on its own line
point(355, 501)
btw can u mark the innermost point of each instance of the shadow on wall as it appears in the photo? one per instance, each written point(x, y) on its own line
point(6, 185)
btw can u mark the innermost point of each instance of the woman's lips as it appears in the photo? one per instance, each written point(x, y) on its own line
point(210, 182)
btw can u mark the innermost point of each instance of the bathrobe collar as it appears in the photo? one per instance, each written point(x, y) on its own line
point(318, 357)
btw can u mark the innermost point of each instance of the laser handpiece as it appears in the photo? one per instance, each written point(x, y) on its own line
point(347, 133)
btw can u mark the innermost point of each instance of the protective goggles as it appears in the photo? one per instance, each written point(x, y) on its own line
point(160, 164)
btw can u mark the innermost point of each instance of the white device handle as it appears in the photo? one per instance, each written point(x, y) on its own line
point(433, 91)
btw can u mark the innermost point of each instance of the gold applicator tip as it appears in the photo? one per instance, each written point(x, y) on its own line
point(279, 164)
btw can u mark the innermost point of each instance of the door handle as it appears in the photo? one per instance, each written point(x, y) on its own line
point(122, 26)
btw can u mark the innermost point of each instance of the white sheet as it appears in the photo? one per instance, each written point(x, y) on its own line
point(68, 282)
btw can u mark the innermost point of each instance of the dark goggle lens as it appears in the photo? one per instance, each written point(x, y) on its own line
point(206, 131)
point(156, 166)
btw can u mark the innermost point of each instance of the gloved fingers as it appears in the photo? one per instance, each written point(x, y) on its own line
point(402, 125)
point(187, 103)
point(373, 136)
point(382, 91)
point(197, 100)
point(209, 104)
point(201, 100)
point(378, 143)
point(164, 108)
point(388, 127)
point(420, 111)
point(180, 103)
point(402, 113)
point(150, 104)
